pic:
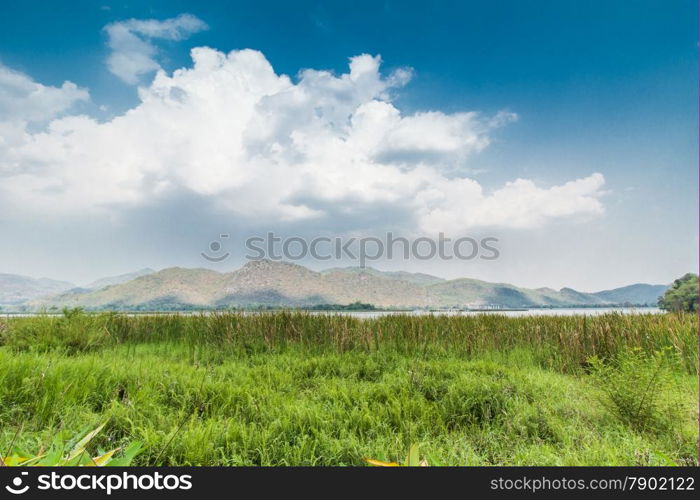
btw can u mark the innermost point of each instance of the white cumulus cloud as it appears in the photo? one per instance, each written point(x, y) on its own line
point(133, 53)
point(263, 147)
point(22, 99)
point(24, 102)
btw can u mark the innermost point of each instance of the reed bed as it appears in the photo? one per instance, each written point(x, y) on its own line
point(562, 342)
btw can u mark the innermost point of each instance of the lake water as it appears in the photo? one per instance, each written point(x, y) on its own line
point(573, 311)
point(588, 311)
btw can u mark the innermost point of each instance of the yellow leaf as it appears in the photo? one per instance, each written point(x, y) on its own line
point(379, 463)
point(14, 460)
point(102, 460)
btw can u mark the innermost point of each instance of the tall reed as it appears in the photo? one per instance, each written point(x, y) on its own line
point(562, 342)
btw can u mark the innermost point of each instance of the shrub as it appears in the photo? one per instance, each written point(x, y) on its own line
point(476, 401)
point(638, 388)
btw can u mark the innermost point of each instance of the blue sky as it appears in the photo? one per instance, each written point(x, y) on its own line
point(597, 87)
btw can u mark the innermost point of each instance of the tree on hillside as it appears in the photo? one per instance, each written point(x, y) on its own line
point(682, 296)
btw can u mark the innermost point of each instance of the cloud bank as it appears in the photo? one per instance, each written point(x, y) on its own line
point(263, 147)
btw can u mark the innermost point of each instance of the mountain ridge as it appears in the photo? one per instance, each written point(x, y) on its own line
point(118, 279)
point(286, 284)
point(17, 289)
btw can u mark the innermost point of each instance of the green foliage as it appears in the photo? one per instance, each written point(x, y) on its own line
point(73, 452)
point(303, 389)
point(682, 296)
point(639, 388)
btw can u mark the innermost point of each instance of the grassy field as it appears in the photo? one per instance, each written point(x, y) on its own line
point(303, 389)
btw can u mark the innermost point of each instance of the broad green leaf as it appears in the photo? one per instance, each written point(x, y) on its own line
point(80, 445)
point(53, 457)
point(413, 460)
point(131, 451)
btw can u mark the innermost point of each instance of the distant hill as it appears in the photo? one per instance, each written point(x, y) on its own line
point(163, 289)
point(639, 293)
point(115, 280)
point(17, 290)
point(272, 283)
point(417, 278)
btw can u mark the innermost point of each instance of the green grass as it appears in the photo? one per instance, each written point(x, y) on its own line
point(300, 389)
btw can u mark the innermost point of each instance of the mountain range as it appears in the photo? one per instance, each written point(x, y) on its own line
point(283, 284)
point(16, 289)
